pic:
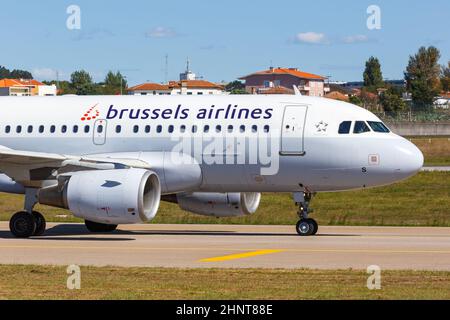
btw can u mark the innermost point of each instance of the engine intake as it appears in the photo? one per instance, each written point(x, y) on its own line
point(220, 204)
point(122, 196)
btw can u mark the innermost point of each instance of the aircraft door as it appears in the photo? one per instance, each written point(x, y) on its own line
point(100, 127)
point(293, 129)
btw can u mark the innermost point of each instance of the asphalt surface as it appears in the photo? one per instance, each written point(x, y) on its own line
point(436, 169)
point(228, 246)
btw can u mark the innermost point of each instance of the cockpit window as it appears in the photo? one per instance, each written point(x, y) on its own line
point(360, 127)
point(344, 127)
point(378, 126)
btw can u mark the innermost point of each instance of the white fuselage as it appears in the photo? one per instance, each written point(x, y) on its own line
point(305, 147)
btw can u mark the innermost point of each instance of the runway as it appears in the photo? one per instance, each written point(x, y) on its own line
point(438, 169)
point(231, 246)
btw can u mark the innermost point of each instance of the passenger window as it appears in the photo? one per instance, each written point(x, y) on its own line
point(64, 129)
point(218, 128)
point(171, 128)
point(242, 128)
point(194, 129)
point(344, 127)
point(183, 129)
point(136, 129)
point(159, 129)
point(360, 127)
point(100, 129)
point(41, 129)
point(87, 129)
point(230, 128)
point(266, 129)
point(19, 129)
point(254, 128)
point(118, 129)
point(30, 129)
point(52, 129)
point(147, 129)
point(378, 126)
point(206, 129)
point(7, 129)
point(75, 129)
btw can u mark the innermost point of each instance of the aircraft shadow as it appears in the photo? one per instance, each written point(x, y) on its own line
point(67, 232)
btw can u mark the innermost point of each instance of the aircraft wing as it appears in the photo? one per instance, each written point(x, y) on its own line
point(31, 168)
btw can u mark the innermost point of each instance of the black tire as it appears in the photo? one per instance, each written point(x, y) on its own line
point(22, 225)
point(99, 227)
point(314, 225)
point(40, 224)
point(304, 228)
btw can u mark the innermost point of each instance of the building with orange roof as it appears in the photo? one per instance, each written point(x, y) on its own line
point(25, 87)
point(187, 85)
point(309, 84)
point(336, 95)
point(184, 87)
point(196, 87)
point(149, 89)
point(276, 90)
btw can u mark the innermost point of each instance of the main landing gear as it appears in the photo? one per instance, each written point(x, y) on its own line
point(305, 226)
point(27, 223)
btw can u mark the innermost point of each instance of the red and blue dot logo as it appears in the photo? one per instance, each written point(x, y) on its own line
point(91, 114)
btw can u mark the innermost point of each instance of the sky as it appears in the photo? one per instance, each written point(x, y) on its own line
point(222, 39)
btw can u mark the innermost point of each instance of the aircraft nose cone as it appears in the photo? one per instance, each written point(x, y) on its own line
point(409, 158)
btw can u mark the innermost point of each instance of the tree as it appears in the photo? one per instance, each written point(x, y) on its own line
point(20, 74)
point(392, 101)
point(445, 77)
point(81, 81)
point(369, 99)
point(373, 78)
point(356, 100)
point(114, 83)
point(235, 87)
point(15, 74)
point(4, 73)
point(422, 76)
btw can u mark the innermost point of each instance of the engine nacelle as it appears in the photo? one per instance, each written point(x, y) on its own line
point(122, 196)
point(220, 204)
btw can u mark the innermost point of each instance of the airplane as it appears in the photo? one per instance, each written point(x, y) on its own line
point(110, 160)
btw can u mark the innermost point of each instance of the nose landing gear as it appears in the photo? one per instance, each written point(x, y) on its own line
point(305, 226)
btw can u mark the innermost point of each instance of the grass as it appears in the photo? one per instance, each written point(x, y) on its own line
point(423, 200)
point(436, 150)
point(49, 282)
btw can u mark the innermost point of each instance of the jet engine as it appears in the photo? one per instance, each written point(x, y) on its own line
point(122, 196)
point(219, 204)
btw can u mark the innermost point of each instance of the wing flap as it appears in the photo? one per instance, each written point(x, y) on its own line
point(31, 168)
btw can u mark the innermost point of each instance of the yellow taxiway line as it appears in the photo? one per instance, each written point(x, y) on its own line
point(240, 255)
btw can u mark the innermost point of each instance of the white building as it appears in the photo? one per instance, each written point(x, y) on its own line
point(25, 87)
point(46, 91)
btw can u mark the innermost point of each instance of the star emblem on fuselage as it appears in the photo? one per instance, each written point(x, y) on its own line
point(322, 126)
